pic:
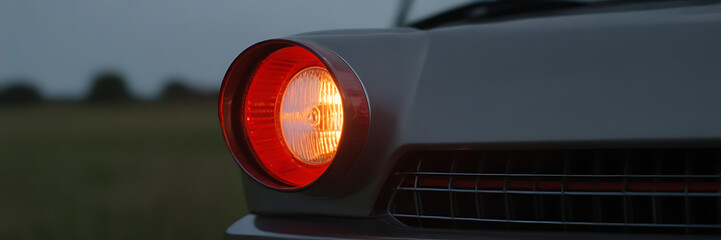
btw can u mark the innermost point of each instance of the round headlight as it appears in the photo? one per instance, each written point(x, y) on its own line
point(290, 112)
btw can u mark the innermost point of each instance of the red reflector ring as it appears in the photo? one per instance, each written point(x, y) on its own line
point(250, 102)
point(261, 115)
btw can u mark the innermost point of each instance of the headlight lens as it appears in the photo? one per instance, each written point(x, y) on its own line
point(311, 116)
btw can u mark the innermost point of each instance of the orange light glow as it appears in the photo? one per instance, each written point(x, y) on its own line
point(311, 116)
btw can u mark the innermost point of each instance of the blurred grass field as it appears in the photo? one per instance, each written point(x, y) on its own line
point(130, 171)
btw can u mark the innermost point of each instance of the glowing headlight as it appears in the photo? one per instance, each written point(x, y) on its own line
point(290, 113)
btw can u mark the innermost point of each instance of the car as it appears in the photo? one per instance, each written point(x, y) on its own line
point(492, 120)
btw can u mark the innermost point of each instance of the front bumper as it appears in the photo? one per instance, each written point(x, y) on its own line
point(271, 227)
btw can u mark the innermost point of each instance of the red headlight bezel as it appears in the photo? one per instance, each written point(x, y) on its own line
point(231, 106)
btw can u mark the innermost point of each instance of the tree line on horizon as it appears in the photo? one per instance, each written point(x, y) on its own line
point(106, 87)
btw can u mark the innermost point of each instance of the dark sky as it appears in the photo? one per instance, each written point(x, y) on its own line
point(60, 45)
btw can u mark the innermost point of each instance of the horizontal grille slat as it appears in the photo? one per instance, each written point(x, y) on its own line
point(567, 192)
point(554, 175)
point(626, 190)
point(564, 223)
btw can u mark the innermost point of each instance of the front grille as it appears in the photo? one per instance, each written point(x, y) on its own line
point(627, 190)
